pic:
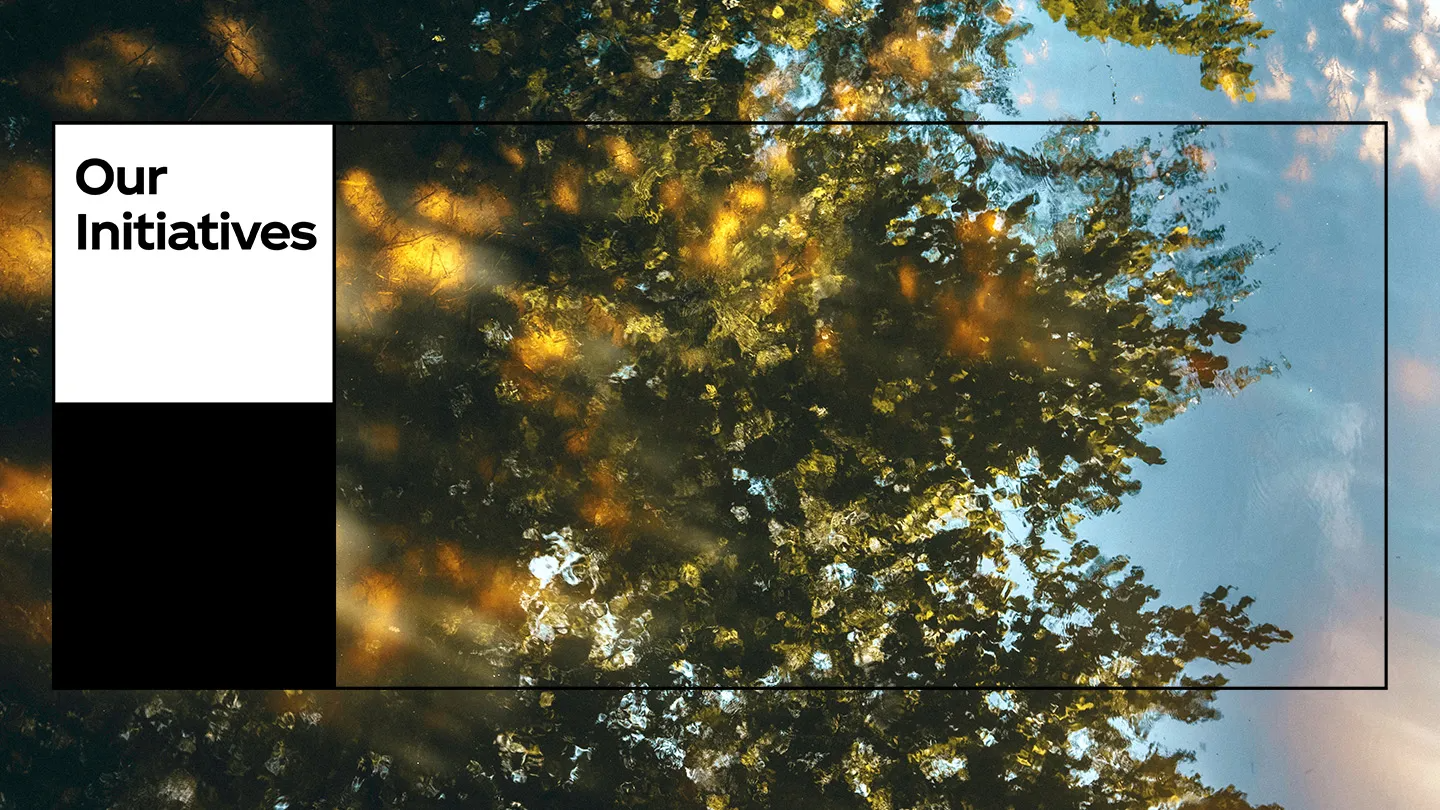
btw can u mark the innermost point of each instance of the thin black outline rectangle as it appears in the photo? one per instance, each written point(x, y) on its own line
point(1385, 396)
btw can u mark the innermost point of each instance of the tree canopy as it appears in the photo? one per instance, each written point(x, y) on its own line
point(659, 748)
point(680, 406)
point(736, 405)
point(614, 60)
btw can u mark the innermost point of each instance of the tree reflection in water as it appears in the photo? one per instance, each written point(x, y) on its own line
point(677, 406)
point(753, 405)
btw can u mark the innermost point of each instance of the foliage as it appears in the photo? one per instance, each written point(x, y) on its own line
point(738, 405)
point(678, 406)
point(723, 749)
point(609, 60)
point(1220, 33)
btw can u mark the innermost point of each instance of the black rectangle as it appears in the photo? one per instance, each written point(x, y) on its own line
point(188, 543)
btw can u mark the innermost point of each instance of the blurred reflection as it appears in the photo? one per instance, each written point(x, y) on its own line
point(241, 46)
point(24, 231)
point(25, 496)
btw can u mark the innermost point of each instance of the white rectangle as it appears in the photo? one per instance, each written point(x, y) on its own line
point(221, 324)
